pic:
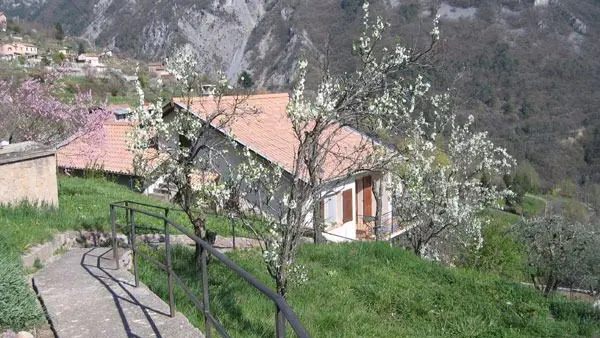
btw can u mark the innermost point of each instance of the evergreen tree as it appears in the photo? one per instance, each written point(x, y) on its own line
point(59, 33)
point(245, 80)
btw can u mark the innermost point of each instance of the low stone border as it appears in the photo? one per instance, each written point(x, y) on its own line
point(42, 253)
point(221, 243)
point(46, 252)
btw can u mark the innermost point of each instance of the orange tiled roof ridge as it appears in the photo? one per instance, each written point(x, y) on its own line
point(269, 132)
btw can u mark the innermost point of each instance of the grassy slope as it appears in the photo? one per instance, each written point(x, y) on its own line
point(18, 306)
point(372, 290)
point(353, 290)
point(83, 204)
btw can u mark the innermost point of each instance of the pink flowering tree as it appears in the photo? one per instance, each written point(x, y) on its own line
point(31, 112)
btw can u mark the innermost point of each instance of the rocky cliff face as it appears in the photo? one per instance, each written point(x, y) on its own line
point(218, 31)
point(528, 69)
point(265, 37)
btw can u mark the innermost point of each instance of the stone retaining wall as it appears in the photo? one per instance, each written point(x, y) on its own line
point(67, 240)
point(28, 172)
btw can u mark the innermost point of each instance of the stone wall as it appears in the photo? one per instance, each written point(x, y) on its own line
point(28, 172)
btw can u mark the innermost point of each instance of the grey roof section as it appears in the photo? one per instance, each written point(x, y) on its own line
point(24, 151)
point(86, 297)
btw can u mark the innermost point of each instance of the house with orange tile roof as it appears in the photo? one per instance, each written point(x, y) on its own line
point(348, 206)
point(112, 156)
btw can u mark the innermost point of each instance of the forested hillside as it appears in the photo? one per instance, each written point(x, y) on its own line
point(528, 70)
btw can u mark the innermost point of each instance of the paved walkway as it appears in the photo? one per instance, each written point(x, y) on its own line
point(85, 296)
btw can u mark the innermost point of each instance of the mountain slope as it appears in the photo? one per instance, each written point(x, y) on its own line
point(528, 69)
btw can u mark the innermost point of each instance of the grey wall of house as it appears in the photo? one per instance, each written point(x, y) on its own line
point(231, 156)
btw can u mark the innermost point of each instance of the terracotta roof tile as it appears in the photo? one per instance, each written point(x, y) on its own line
point(265, 129)
point(114, 155)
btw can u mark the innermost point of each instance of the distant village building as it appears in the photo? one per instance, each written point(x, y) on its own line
point(3, 22)
point(68, 54)
point(89, 59)
point(11, 51)
point(159, 70)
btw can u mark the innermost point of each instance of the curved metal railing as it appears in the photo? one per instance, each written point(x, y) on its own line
point(284, 313)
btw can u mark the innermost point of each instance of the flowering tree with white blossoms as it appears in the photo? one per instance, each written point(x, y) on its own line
point(279, 205)
point(179, 149)
point(375, 96)
point(443, 189)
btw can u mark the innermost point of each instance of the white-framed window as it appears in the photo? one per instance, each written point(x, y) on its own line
point(331, 209)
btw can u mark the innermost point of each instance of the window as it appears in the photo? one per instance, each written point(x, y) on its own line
point(184, 142)
point(153, 143)
point(347, 206)
point(331, 210)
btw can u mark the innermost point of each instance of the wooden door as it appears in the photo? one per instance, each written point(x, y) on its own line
point(367, 196)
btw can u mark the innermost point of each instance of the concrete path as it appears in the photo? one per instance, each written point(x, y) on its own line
point(85, 296)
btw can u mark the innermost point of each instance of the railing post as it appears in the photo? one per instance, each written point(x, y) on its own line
point(205, 300)
point(279, 324)
point(232, 230)
point(113, 225)
point(134, 248)
point(127, 218)
point(169, 266)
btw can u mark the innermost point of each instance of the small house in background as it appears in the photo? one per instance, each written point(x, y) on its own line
point(92, 60)
point(68, 54)
point(3, 22)
point(159, 70)
point(28, 173)
point(112, 157)
point(13, 50)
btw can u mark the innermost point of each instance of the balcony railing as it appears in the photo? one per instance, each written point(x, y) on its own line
point(390, 227)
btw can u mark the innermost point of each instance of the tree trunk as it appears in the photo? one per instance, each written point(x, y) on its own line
point(378, 194)
point(317, 224)
point(416, 246)
point(200, 231)
point(550, 283)
point(281, 285)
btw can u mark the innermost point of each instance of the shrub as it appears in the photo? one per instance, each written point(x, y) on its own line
point(561, 252)
point(18, 306)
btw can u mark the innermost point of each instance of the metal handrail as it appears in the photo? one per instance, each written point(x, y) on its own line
point(283, 310)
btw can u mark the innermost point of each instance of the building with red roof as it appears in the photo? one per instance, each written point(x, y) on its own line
point(261, 125)
point(112, 156)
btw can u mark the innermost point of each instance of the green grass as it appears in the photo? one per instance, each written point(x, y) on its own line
point(533, 206)
point(372, 290)
point(363, 289)
point(84, 205)
point(501, 254)
point(18, 306)
point(130, 100)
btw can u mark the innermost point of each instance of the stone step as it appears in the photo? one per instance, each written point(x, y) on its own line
point(86, 296)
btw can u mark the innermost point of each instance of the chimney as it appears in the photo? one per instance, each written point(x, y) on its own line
point(208, 90)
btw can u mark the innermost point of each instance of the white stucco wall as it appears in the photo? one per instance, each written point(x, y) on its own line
point(347, 229)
